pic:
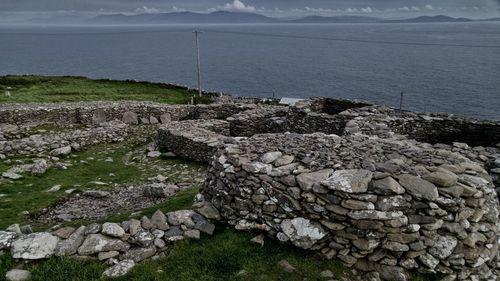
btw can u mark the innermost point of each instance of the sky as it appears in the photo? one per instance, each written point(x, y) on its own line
point(17, 9)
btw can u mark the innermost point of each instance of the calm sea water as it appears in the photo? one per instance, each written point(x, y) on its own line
point(460, 80)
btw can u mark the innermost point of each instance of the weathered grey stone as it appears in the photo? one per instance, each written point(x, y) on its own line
point(98, 117)
point(270, 157)
point(159, 220)
point(95, 243)
point(34, 246)
point(138, 254)
point(391, 203)
point(257, 168)
point(119, 269)
point(70, 245)
point(350, 181)
point(302, 232)
point(165, 118)
point(440, 178)
point(443, 247)
point(61, 151)
point(357, 205)
point(11, 175)
point(107, 255)
point(181, 217)
point(130, 117)
point(113, 230)
point(307, 180)
point(284, 160)
point(207, 210)
point(395, 246)
point(376, 215)
point(155, 190)
point(142, 238)
point(387, 186)
point(17, 275)
point(192, 234)
point(365, 244)
point(418, 187)
point(429, 261)
point(6, 239)
point(286, 266)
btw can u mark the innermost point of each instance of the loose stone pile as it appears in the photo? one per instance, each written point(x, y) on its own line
point(119, 245)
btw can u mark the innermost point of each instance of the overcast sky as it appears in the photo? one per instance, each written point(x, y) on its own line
point(278, 8)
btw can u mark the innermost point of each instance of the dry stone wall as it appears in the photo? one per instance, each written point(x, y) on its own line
point(383, 205)
point(363, 190)
point(91, 113)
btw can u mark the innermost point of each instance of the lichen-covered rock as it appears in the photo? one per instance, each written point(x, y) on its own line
point(34, 246)
point(350, 181)
point(302, 233)
point(119, 269)
point(6, 239)
point(95, 243)
point(113, 230)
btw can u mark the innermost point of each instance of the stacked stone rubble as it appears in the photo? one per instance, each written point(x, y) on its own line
point(120, 245)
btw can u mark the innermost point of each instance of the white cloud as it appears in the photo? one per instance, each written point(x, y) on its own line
point(238, 6)
point(429, 7)
point(177, 10)
point(366, 10)
point(146, 10)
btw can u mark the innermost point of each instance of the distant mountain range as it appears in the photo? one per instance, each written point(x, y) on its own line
point(224, 17)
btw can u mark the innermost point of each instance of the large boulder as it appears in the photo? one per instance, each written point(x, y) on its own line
point(34, 246)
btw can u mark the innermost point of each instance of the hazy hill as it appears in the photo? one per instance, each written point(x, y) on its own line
point(339, 19)
point(424, 19)
point(184, 17)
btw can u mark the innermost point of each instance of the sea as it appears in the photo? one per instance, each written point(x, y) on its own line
point(439, 67)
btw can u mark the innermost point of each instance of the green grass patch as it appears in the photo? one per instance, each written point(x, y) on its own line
point(33, 89)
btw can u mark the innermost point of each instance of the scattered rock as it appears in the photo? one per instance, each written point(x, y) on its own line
point(58, 152)
point(17, 275)
point(119, 269)
point(11, 175)
point(286, 266)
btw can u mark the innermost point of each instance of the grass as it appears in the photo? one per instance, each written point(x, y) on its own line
point(35, 89)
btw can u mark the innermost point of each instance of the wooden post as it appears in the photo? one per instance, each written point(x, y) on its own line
point(197, 33)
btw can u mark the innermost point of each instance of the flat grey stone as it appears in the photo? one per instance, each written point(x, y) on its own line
point(418, 187)
point(349, 181)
